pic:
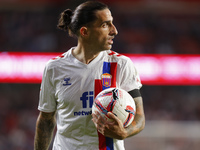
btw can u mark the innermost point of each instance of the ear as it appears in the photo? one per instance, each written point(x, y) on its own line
point(83, 31)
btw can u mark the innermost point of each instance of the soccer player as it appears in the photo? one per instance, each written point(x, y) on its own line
point(71, 82)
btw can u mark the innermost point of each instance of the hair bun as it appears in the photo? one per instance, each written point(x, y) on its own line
point(67, 14)
point(65, 19)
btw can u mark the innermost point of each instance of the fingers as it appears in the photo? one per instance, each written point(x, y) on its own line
point(97, 118)
point(99, 122)
point(111, 116)
point(94, 117)
point(109, 125)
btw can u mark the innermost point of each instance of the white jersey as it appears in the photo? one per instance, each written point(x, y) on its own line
point(69, 87)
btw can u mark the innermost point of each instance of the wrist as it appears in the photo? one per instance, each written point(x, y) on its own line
point(125, 134)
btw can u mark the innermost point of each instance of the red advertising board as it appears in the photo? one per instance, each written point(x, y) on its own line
point(19, 67)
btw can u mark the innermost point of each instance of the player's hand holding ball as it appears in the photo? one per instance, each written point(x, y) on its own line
point(112, 111)
point(110, 128)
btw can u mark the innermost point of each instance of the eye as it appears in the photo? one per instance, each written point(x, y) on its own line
point(104, 25)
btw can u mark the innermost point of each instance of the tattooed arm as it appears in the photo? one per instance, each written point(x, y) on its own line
point(139, 121)
point(44, 130)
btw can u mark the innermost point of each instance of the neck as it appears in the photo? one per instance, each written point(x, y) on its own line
point(84, 54)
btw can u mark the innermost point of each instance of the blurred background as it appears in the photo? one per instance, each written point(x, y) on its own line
point(145, 27)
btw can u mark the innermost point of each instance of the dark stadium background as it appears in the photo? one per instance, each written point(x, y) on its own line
point(145, 27)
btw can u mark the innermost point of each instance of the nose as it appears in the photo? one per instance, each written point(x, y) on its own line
point(113, 30)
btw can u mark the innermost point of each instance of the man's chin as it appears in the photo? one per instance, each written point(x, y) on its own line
point(108, 47)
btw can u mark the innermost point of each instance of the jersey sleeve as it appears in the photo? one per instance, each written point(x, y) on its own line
point(47, 101)
point(130, 78)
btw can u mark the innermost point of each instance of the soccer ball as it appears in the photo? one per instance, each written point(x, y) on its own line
point(117, 101)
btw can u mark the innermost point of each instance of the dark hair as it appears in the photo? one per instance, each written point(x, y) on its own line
point(82, 15)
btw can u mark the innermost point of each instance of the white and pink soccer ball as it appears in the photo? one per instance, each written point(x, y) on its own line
point(117, 101)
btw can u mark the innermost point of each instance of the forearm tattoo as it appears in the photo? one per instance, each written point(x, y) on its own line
point(139, 120)
point(44, 132)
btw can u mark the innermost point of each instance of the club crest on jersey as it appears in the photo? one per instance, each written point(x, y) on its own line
point(106, 79)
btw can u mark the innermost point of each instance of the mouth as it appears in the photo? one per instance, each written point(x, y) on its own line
point(110, 40)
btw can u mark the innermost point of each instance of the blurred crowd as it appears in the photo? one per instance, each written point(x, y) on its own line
point(18, 113)
point(37, 31)
point(178, 103)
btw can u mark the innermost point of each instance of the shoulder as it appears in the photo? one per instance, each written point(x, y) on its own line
point(117, 57)
point(58, 60)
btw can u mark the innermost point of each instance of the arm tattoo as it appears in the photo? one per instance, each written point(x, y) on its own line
point(44, 130)
point(139, 120)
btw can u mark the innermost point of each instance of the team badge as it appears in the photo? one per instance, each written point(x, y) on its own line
point(106, 79)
